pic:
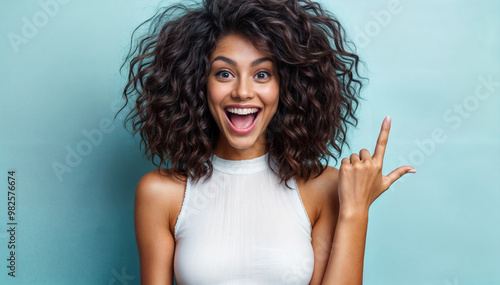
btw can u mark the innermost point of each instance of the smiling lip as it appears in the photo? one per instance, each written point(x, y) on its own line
point(246, 130)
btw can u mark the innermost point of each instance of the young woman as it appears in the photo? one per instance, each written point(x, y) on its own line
point(245, 101)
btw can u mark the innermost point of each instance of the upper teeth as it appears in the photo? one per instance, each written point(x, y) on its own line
point(242, 111)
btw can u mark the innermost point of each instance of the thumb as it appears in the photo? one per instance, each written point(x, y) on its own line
point(397, 173)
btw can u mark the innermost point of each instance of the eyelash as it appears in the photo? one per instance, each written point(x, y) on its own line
point(218, 74)
point(264, 72)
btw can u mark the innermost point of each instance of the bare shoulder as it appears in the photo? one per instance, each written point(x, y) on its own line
point(158, 199)
point(162, 191)
point(324, 185)
point(320, 192)
point(159, 182)
point(326, 188)
point(326, 182)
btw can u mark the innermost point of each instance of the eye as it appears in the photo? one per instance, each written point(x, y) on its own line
point(223, 74)
point(262, 75)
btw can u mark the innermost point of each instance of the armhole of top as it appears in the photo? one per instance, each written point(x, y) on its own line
point(299, 201)
point(179, 221)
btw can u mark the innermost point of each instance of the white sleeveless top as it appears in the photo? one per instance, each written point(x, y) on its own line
point(242, 227)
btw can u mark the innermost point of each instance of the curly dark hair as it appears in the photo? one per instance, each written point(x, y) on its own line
point(318, 74)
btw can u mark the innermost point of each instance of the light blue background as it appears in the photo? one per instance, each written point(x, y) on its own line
point(424, 58)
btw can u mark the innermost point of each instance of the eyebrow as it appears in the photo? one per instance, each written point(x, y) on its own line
point(232, 62)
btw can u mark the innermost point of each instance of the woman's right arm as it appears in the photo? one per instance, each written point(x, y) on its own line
point(156, 204)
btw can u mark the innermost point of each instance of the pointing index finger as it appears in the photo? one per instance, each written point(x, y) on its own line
point(382, 139)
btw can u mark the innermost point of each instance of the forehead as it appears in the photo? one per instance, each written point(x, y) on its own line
point(237, 45)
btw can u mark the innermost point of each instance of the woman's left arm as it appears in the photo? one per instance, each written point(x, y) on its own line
point(359, 183)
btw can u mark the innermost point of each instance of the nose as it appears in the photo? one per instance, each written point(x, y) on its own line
point(243, 89)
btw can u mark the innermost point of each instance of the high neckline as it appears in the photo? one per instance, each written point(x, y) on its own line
point(246, 166)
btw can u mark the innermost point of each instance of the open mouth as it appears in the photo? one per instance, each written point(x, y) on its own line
point(242, 118)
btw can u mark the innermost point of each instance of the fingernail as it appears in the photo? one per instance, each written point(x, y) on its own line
point(388, 119)
point(411, 171)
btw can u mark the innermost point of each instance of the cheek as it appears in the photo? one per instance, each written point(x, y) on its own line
point(214, 100)
point(215, 92)
point(272, 96)
point(211, 104)
point(211, 95)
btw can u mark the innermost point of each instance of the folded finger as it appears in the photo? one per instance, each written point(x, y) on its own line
point(355, 158)
point(364, 154)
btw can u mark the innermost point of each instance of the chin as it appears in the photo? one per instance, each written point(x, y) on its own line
point(242, 143)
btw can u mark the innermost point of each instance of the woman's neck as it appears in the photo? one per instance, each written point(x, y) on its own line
point(226, 151)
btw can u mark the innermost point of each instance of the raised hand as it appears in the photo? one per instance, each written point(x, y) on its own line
point(360, 176)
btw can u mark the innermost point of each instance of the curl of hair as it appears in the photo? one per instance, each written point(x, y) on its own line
point(318, 79)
